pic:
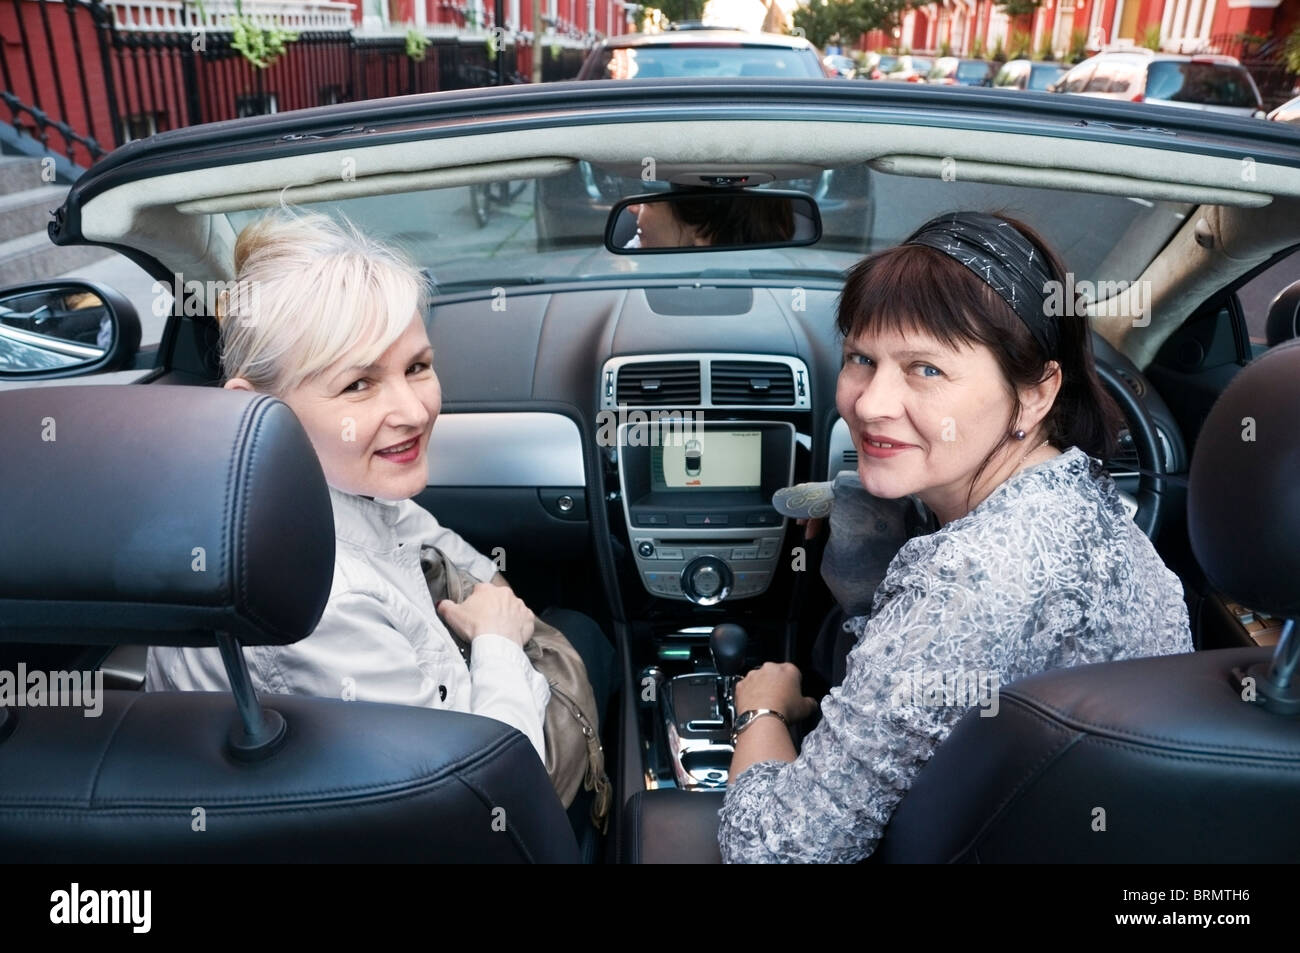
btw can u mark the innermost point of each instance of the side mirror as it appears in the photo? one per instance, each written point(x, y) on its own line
point(701, 220)
point(65, 328)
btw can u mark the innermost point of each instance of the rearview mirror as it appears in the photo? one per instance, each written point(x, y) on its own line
point(712, 220)
point(65, 328)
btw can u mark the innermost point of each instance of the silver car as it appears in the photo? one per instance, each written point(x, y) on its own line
point(1209, 82)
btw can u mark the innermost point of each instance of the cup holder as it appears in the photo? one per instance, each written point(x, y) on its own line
point(706, 766)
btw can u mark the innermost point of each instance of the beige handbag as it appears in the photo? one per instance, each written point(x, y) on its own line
point(574, 756)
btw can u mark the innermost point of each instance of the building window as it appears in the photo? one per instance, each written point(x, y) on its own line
point(255, 104)
point(140, 126)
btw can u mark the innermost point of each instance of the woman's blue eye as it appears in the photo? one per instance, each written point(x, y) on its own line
point(925, 368)
point(860, 359)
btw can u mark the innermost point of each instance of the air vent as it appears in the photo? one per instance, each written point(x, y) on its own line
point(850, 460)
point(751, 382)
point(659, 383)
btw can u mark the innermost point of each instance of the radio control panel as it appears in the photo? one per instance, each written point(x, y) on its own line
point(707, 571)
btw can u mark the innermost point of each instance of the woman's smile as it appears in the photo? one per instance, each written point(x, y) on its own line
point(402, 453)
point(880, 447)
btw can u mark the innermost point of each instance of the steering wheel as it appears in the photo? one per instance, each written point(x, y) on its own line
point(1147, 506)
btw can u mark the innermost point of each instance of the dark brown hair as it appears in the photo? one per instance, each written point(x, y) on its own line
point(739, 219)
point(915, 287)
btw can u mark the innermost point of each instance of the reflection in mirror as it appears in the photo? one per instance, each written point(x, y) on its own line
point(53, 328)
point(676, 221)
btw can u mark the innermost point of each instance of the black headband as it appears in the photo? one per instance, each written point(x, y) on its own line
point(1004, 259)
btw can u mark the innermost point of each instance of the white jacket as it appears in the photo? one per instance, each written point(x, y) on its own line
point(379, 638)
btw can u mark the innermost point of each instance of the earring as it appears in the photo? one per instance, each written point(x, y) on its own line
point(1019, 435)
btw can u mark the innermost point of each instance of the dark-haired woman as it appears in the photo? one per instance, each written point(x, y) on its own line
point(961, 389)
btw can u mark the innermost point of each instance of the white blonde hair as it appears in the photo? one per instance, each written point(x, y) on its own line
point(310, 291)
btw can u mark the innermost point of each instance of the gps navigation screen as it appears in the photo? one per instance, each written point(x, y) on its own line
point(709, 459)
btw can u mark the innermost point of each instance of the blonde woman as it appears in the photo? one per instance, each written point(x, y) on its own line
point(336, 331)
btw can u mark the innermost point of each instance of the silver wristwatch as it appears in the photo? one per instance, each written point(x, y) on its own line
point(747, 718)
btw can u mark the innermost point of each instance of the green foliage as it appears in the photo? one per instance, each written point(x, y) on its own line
point(945, 48)
point(999, 55)
point(828, 21)
point(1078, 46)
point(1045, 51)
point(417, 43)
point(678, 10)
point(1291, 52)
point(977, 50)
point(1018, 45)
point(1151, 37)
point(259, 44)
point(1018, 8)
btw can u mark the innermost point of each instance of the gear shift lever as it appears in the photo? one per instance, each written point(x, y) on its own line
point(728, 642)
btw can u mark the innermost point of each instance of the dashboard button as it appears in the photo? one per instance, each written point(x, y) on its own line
point(706, 519)
point(745, 552)
point(665, 553)
point(766, 518)
point(767, 548)
point(652, 519)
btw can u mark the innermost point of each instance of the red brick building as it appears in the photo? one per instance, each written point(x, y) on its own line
point(1183, 26)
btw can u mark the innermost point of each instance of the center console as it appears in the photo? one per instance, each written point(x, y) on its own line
point(697, 502)
point(696, 445)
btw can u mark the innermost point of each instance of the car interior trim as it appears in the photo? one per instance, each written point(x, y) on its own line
point(1071, 180)
point(383, 184)
point(505, 449)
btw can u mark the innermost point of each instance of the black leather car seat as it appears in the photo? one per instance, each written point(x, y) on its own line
point(197, 516)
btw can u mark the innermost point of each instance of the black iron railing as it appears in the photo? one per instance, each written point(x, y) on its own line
point(81, 86)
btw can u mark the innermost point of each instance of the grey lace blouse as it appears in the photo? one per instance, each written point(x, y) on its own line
point(1048, 571)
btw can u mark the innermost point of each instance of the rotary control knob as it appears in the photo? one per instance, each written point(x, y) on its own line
point(706, 580)
point(646, 549)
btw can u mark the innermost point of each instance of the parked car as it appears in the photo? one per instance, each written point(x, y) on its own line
point(957, 71)
point(1027, 74)
point(1208, 82)
point(1289, 111)
point(842, 67)
point(909, 69)
point(879, 64)
point(702, 52)
point(542, 353)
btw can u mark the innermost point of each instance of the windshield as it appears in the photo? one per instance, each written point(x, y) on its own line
point(551, 230)
point(1040, 77)
point(645, 62)
point(972, 72)
point(1210, 84)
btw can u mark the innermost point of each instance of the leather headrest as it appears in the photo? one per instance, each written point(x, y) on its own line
point(1284, 316)
point(156, 515)
point(1244, 491)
